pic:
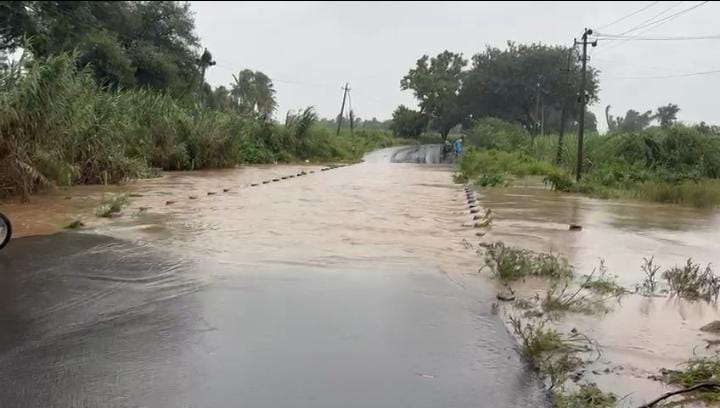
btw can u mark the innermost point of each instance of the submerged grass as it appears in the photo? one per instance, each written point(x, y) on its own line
point(698, 371)
point(552, 354)
point(602, 283)
point(692, 282)
point(511, 264)
point(587, 395)
point(111, 206)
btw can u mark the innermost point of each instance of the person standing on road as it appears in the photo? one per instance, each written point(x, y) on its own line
point(458, 146)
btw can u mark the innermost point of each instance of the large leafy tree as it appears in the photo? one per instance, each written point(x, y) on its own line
point(253, 93)
point(145, 44)
point(407, 122)
point(526, 84)
point(436, 83)
point(633, 120)
point(667, 115)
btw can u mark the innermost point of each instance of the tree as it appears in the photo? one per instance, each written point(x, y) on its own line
point(633, 120)
point(667, 115)
point(150, 44)
point(253, 93)
point(436, 83)
point(528, 84)
point(407, 122)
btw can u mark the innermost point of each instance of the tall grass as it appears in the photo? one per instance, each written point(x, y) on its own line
point(678, 165)
point(58, 127)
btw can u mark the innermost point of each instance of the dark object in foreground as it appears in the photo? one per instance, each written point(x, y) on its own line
point(682, 391)
point(575, 227)
point(5, 230)
point(712, 327)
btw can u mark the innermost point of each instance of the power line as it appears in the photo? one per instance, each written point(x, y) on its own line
point(651, 19)
point(617, 37)
point(628, 16)
point(282, 81)
point(673, 16)
point(688, 74)
point(656, 23)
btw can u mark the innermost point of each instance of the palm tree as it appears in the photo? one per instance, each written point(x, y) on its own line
point(253, 93)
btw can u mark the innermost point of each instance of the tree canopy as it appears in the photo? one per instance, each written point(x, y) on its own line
point(407, 122)
point(149, 44)
point(436, 84)
point(253, 93)
point(527, 84)
point(667, 115)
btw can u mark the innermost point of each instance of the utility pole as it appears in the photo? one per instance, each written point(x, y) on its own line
point(583, 101)
point(346, 90)
point(563, 111)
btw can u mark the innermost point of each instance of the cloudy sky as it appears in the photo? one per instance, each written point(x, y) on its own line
point(310, 49)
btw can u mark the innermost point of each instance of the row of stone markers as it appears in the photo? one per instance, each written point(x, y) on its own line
point(479, 220)
point(273, 180)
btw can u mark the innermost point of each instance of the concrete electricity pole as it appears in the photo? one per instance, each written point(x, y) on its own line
point(346, 90)
point(583, 101)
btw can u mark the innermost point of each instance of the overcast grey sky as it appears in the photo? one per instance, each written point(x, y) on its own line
point(310, 49)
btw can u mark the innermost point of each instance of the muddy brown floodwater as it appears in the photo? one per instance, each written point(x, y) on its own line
point(640, 335)
point(353, 287)
point(357, 286)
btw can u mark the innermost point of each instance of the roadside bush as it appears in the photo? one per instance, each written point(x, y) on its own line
point(58, 127)
point(497, 134)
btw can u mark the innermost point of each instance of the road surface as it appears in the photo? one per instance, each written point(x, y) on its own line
point(346, 288)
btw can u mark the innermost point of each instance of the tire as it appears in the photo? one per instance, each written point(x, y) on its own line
point(5, 222)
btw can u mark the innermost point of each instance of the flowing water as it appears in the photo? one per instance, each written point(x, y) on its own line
point(640, 335)
point(351, 287)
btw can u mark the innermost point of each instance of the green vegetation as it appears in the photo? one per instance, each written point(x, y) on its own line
point(698, 371)
point(559, 298)
point(111, 206)
point(511, 264)
point(501, 83)
point(692, 282)
point(509, 104)
point(675, 164)
point(108, 91)
point(587, 395)
point(553, 355)
point(603, 284)
point(649, 284)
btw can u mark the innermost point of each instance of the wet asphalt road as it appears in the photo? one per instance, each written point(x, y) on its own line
point(92, 321)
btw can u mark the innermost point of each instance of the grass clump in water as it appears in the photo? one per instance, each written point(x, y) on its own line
point(111, 206)
point(550, 353)
point(511, 264)
point(602, 283)
point(587, 395)
point(649, 284)
point(702, 370)
point(691, 282)
point(75, 224)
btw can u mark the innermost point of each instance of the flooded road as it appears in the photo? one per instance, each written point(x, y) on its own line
point(353, 287)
